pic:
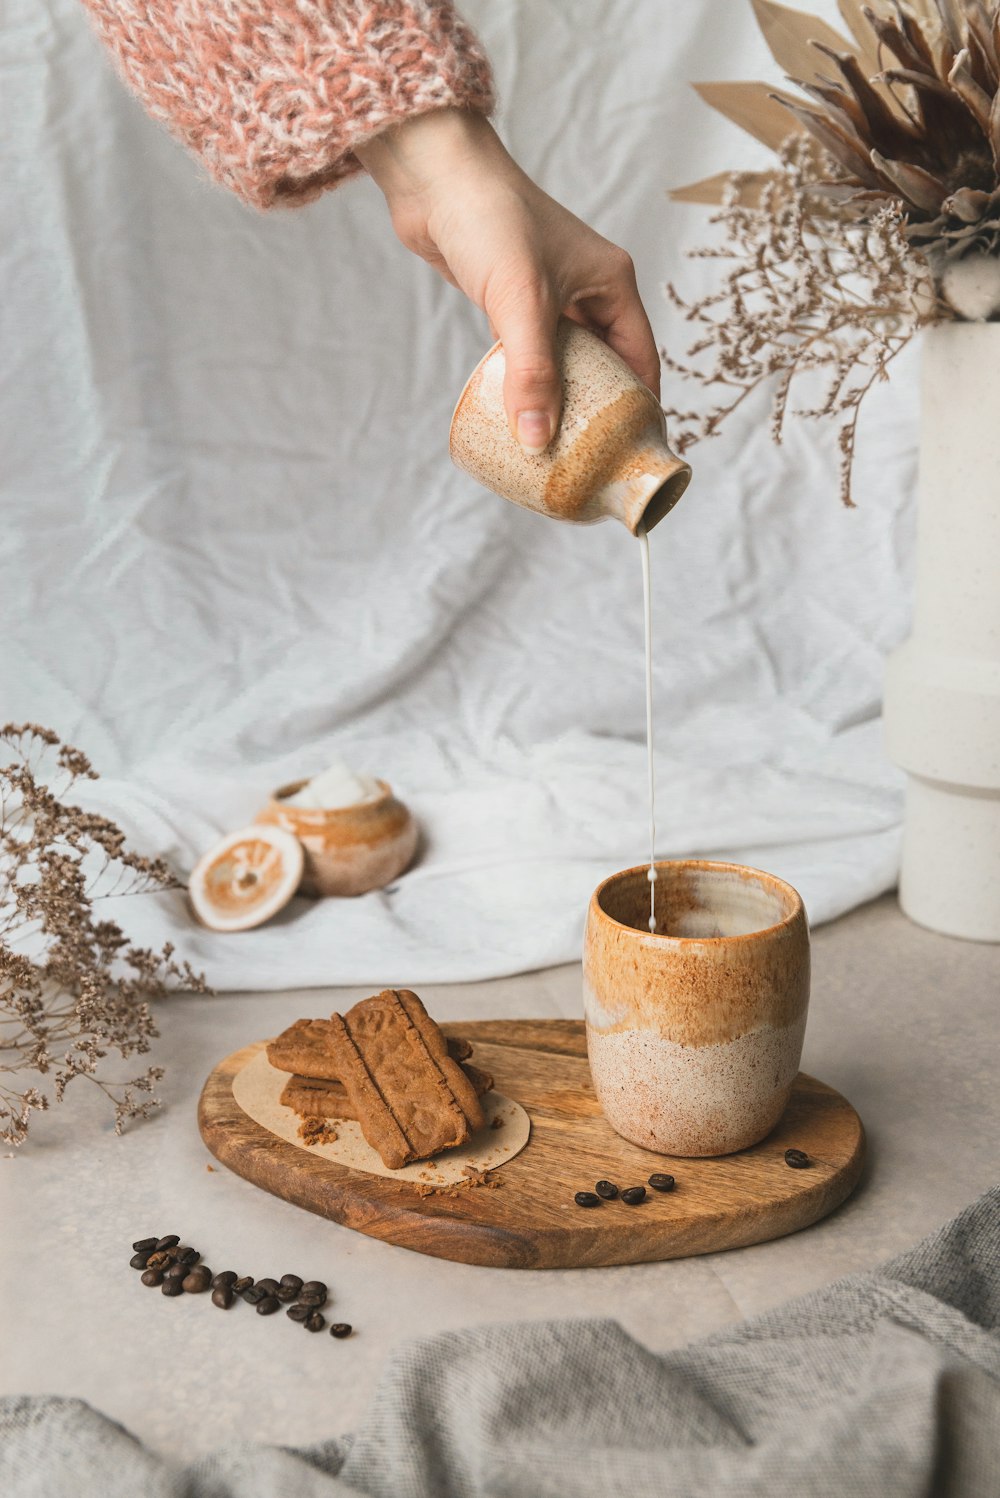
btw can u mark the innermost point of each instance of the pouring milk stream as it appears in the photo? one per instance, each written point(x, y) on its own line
point(610, 456)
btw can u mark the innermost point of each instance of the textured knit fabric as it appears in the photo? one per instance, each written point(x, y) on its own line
point(885, 1385)
point(275, 95)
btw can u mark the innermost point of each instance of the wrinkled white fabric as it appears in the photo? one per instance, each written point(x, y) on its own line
point(236, 549)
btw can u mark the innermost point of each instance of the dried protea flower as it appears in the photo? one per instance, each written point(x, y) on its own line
point(72, 987)
point(906, 109)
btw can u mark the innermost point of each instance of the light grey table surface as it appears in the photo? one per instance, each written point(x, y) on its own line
point(905, 1023)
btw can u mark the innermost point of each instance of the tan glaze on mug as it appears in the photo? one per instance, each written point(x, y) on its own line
point(609, 456)
point(694, 1033)
point(351, 849)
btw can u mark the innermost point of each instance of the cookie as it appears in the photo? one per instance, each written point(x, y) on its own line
point(313, 1098)
point(412, 1099)
point(304, 1049)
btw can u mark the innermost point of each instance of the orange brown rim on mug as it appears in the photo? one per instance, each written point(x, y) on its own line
point(770, 882)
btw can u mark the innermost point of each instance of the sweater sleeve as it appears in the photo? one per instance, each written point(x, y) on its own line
point(274, 95)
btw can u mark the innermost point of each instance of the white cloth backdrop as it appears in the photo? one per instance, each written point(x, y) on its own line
point(235, 547)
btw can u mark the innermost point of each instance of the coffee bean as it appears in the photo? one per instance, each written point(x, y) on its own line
point(797, 1159)
point(254, 1295)
point(151, 1277)
point(175, 1272)
point(662, 1182)
point(222, 1296)
point(633, 1195)
point(159, 1260)
point(289, 1287)
point(241, 1286)
point(587, 1199)
point(171, 1287)
point(197, 1279)
point(315, 1322)
point(314, 1287)
point(144, 1246)
point(269, 1287)
point(139, 1261)
point(606, 1189)
point(341, 1329)
point(268, 1305)
point(187, 1256)
point(298, 1313)
point(171, 1241)
point(314, 1302)
point(226, 1277)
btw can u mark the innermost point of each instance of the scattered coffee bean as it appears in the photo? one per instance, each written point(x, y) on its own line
point(139, 1261)
point(587, 1199)
point(269, 1287)
point(175, 1272)
point(187, 1255)
point(159, 1260)
point(607, 1189)
point(222, 1296)
point(341, 1329)
point(254, 1295)
point(797, 1159)
point(314, 1302)
point(144, 1246)
point(298, 1313)
point(197, 1279)
point(314, 1287)
point(226, 1277)
point(633, 1195)
point(171, 1241)
point(289, 1287)
point(151, 1277)
point(315, 1322)
point(172, 1287)
point(662, 1182)
point(268, 1305)
point(241, 1286)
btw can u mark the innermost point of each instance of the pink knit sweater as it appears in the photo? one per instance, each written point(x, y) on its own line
point(274, 95)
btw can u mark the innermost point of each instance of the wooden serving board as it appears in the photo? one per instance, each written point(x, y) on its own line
point(532, 1222)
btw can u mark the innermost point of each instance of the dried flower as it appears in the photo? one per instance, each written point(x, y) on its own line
point(888, 173)
point(72, 988)
point(800, 304)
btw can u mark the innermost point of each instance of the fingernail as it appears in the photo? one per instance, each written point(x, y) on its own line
point(533, 431)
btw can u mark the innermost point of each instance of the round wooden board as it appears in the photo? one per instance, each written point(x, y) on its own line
point(532, 1222)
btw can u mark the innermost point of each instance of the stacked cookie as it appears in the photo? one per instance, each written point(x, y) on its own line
point(386, 1064)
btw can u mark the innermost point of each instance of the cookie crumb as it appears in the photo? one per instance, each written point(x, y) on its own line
point(316, 1131)
point(471, 1177)
point(211, 1168)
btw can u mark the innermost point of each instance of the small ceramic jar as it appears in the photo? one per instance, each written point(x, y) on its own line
point(349, 850)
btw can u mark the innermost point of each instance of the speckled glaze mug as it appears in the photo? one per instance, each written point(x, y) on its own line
point(694, 1032)
point(609, 457)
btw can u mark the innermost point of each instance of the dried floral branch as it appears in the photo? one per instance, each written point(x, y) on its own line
point(804, 300)
point(882, 213)
point(72, 988)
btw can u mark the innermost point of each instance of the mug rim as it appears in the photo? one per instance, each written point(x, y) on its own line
point(663, 939)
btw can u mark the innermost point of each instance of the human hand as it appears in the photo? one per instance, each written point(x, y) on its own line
point(460, 201)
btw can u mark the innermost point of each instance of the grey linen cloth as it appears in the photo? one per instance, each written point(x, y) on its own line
point(884, 1384)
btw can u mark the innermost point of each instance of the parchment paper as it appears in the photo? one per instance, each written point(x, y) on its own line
point(258, 1087)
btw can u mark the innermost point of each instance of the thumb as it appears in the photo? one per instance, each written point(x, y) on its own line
point(532, 391)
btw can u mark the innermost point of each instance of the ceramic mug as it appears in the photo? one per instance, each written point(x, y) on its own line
point(694, 1032)
point(609, 457)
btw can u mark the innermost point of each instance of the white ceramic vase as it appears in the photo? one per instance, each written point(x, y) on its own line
point(942, 705)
